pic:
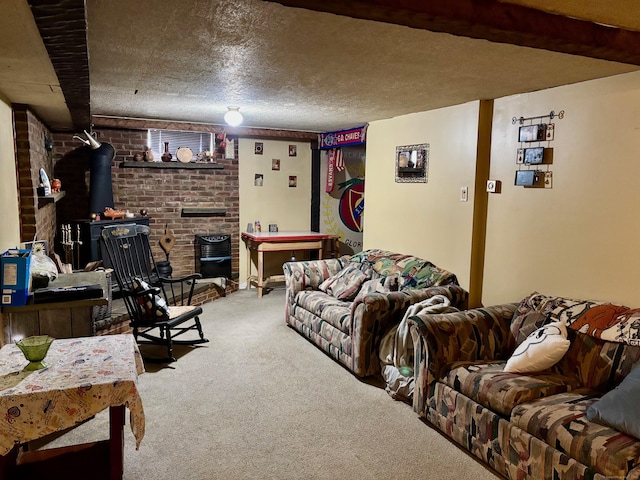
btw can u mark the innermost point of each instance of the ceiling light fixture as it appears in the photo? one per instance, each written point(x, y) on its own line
point(233, 117)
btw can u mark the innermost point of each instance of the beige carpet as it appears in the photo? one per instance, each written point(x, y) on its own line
point(259, 401)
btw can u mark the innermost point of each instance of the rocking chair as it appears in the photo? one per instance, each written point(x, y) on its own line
point(159, 308)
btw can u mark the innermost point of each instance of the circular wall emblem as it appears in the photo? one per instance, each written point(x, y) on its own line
point(351, 207)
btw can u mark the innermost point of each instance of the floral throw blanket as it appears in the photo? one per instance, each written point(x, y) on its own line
point(415, 272)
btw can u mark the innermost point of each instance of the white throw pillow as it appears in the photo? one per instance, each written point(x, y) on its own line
point(542, 349)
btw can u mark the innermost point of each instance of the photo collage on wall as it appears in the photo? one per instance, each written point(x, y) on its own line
point(276, 165)
point(534, 155)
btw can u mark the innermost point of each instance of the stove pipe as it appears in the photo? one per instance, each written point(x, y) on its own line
point(100, 186)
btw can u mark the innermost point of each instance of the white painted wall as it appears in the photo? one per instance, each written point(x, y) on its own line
point(581, 238)
point(427, 220)
point(275, 201)
point(10, 230)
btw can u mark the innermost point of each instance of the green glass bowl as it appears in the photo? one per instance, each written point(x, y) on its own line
point(35, 350)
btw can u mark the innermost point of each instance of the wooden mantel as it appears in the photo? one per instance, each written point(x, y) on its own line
point(245, 132)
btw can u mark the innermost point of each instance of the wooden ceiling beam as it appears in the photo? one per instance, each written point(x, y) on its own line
point(495, 21)
point(63, 28)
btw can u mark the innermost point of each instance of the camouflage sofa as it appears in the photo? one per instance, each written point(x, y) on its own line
point(345, 305)
point(535, 425)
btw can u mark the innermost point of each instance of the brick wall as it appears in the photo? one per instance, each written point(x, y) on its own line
point(36, 220)
point(162, 192)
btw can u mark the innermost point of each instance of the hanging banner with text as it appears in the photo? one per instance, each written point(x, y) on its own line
point(343, 138)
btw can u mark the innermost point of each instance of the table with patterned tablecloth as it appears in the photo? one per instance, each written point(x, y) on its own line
point(84, 376)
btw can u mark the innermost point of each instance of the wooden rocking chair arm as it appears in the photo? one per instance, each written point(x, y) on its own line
point(139, 293)
point(193, 276)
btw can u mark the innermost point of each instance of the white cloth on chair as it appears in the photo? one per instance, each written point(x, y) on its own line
point(396, 348)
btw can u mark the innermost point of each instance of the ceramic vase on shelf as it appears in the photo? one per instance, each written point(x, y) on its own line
point(166, 156)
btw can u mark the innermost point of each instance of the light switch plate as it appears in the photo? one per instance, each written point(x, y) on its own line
point(520, 156)
point(464, 194)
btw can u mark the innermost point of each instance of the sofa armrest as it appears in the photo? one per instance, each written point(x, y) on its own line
point(374, 313)
point(440, 339)
point(309, 274)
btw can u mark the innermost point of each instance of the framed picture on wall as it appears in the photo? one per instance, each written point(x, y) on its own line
point(532, 133)
point(528, 178)
point(533, 156)
point(412, 163)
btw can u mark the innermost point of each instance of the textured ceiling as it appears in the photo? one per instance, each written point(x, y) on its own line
point(26, 74)
point(286, 68)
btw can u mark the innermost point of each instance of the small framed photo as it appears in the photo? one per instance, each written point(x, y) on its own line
point(533, 156)
point(258, 180)
point(258, 148)
point(532, 133)
point(527, 178)
point(293, 150)
point(293, 181)
point(275, 164)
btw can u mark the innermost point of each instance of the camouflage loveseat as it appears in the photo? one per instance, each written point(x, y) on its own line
point(578, 419)
point(345, 305)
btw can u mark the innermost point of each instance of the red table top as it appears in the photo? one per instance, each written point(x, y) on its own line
point(273, 237)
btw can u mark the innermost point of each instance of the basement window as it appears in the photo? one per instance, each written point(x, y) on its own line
point(196, 141)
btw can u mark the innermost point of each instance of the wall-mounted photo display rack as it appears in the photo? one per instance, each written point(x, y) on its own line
point(532, 153)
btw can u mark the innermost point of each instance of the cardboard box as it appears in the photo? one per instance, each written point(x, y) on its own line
point(15, 277)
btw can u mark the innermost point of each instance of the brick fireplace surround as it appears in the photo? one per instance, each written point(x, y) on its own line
point(164, 192)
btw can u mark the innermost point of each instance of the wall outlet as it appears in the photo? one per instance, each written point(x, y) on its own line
point(464, 194)
point(548, 179)
point(494, 186)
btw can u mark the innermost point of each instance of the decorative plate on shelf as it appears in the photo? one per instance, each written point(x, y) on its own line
point(184, 154)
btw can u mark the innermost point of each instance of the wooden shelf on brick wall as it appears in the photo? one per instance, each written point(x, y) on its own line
point(45, 199)
point(173, 165)
point(204, 212)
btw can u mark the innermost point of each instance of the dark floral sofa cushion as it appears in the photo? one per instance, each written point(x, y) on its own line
point(488, 385)
point(380, 284)
point(561, 421)
point(333, 311)
point(346, 284)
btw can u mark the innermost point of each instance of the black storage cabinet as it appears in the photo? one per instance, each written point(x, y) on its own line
point(213, 255)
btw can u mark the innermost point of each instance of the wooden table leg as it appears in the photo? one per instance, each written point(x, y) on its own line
point(116, 442)
point(260, 271)
point(8, 463)
point(248, 267)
